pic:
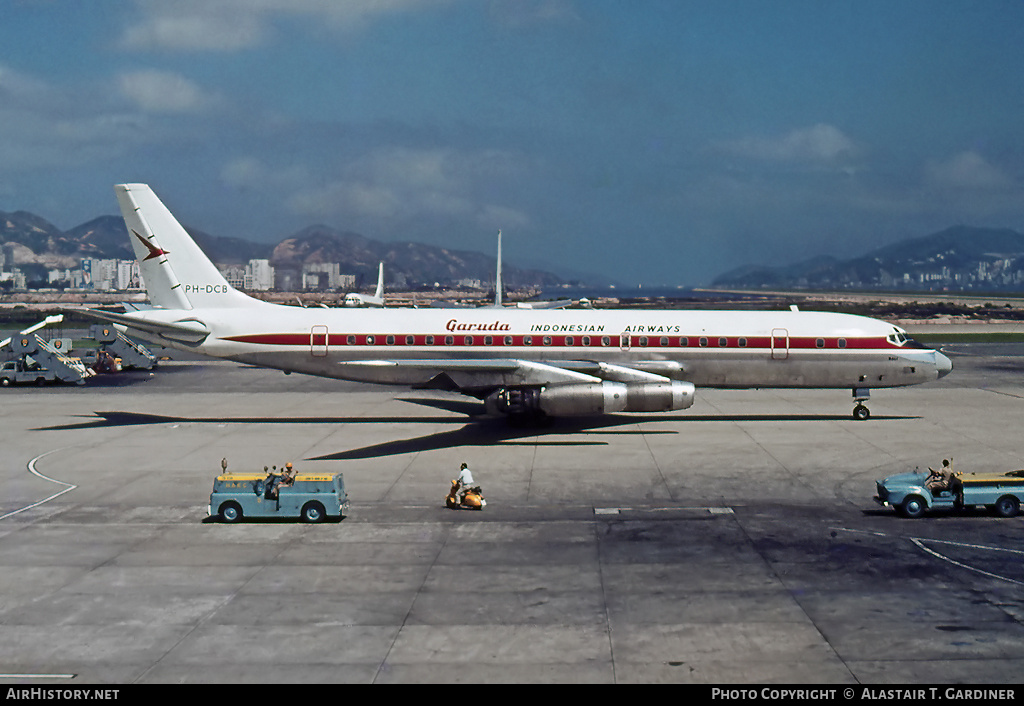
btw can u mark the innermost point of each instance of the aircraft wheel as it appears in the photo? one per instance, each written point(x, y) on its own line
point(861, 412)
point(913, 507)
point(313, 512)
point(1006, 506)
point(230, 512)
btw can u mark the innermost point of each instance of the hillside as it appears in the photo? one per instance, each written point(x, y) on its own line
point(958, 258)
point(34, 241)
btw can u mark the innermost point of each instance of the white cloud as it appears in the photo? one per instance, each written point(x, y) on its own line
point(45, 125)
point(527, 13)
point(195, 31)
point(967, 171)
point(231, 25)
point(163, 92)
point(818, 143)
point(401, 184)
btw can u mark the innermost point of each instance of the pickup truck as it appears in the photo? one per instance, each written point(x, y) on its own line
point(16, 371)
point(313, 497)
point(1002, 493)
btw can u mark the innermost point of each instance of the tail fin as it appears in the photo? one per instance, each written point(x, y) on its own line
point(499, 286)
point(178, 275)
point(379, 294)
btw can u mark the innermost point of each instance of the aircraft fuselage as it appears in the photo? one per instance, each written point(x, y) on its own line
point(718, 349)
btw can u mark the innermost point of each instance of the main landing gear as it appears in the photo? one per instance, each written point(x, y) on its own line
point(860, 396)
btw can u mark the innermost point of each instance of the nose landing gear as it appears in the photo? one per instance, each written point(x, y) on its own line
point(860, 396)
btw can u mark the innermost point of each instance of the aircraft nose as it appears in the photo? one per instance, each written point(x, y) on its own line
point(943, 365)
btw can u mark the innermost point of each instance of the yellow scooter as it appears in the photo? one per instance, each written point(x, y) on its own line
point(472, 500)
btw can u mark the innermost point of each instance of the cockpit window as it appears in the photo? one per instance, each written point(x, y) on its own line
point(897, 338)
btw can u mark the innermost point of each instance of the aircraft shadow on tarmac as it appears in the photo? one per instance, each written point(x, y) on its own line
point(478, 431)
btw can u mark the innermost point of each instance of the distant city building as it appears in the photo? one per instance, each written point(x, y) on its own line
point(259, 275)
point(256, 276)
point(325, 276)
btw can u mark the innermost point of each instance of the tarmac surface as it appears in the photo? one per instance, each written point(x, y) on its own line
point(734, 542)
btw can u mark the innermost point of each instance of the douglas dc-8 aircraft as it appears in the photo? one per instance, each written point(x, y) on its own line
point(521, 362)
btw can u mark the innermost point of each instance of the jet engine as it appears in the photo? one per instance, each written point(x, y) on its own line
point(591, 399)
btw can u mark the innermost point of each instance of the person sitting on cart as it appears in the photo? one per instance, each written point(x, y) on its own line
point(272, 481)
point(288, 479)
point(939, 481)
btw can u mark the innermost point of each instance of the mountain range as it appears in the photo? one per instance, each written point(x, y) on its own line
point(961, 257)
point(33, 241)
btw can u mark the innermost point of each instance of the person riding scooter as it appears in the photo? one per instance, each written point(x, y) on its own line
point(465, 481)
point(464, 493)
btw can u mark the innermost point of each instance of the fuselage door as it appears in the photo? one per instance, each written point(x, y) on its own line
point(318, 341)
point(780, 343)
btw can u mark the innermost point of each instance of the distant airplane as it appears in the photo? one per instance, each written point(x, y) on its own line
point(499, 290)
point(520, 362)
point(356, 299)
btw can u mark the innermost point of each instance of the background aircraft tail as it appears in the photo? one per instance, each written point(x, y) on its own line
point(177, 273)
point(379, 294)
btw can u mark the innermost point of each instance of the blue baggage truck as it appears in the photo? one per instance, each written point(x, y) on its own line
point(311, 496)
point(911, 495)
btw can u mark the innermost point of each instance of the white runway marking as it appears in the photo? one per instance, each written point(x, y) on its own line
point(32, 469)
point(919, 543)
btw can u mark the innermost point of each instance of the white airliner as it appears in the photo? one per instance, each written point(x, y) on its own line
point(357, 299)
point(521, 362)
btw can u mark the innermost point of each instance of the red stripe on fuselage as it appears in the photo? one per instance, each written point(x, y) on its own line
point(476, 340)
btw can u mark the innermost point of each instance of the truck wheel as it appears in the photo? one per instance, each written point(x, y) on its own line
point(230, 512)
point(1006, 506)
point(5, 382)
point(313, 512)
point(913, 507)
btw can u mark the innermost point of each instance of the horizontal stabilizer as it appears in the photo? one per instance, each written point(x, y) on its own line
point(190, 332)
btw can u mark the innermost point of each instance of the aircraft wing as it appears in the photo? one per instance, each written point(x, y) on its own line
point(489, 374)
point(469, 374)
point(182, 331)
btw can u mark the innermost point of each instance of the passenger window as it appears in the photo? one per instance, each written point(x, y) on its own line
point(569, 340)
point(820, 343)
point(508, 340)
point(703, 341)
point(643, 340)
point(547, 340)
point(743, 343)
point(410, 340)
point(663, 341)
point(586, 340)
point(488, 340)
point(468, 340)
point(527, 340)
point(369, 340)
point(449, 340)
point(351, 340)
point(605, 341)
point(842, 343)
point(723, 342)
point(430, 340)
point(390, 340)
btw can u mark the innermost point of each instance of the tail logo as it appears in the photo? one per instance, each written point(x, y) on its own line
point(153, 250)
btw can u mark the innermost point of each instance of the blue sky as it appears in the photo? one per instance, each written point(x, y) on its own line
point(660, 141)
